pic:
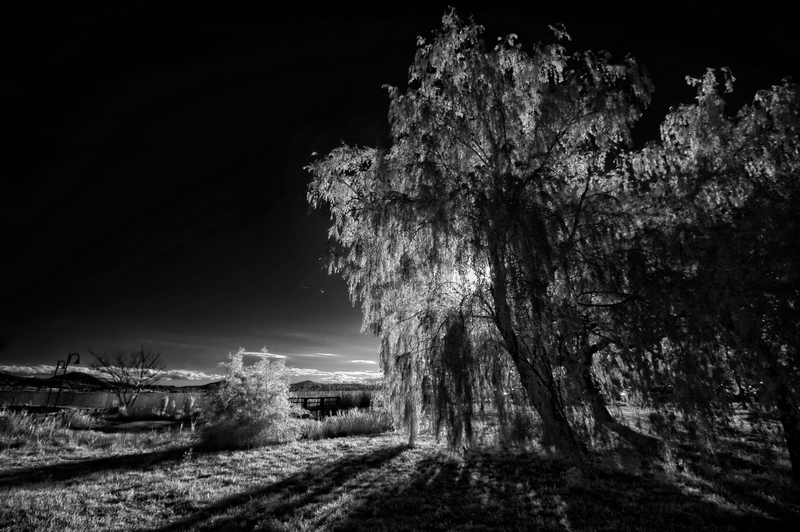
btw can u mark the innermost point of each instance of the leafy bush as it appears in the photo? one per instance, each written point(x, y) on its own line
point(351, 423)
point(251, 408)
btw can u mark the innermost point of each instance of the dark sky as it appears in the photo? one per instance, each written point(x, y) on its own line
point(152, 188)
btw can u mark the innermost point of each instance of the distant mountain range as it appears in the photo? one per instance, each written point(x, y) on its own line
point(311, 386)
point(79, 381)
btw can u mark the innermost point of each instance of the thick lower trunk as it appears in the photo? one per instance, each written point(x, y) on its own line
point(647, 445)
point(788, 407)
point(413, 422)
point(790, 420)
point(534, 371)
point(582, 373)
point(543, 396)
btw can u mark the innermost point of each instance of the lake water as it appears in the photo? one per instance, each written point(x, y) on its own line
point(145, 403)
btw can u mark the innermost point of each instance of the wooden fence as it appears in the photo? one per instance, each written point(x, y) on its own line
point(319, 406)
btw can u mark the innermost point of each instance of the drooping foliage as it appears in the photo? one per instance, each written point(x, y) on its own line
point(477, 213)
point(510, 244)
point(722, 213)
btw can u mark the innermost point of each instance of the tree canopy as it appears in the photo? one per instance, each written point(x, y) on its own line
point(512, 243)
point(722, 202)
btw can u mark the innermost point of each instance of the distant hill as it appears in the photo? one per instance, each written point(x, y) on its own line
point(79, 379)
point(8, 379)
point(186, 389)
point(74, 380)
point(304, 386)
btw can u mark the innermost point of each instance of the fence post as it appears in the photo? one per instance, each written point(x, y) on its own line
point(69, 358)
point(58, 365)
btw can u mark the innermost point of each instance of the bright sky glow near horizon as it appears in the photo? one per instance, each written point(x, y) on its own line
point(154, 195)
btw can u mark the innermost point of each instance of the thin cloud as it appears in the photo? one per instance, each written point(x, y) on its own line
point(363, 362)
point(46, 370)
point(314, 355)
point(40, 370)
point(189, 375)
point(335, 376)
point(153, 341)
point(43, 370)
point(264, 353)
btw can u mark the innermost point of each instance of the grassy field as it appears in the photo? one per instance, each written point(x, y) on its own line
point(83, 480)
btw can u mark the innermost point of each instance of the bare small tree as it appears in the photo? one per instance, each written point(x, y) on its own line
point(129, 373)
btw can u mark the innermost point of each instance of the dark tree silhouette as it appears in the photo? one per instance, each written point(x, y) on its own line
point(509, 239)
point(129, 373)
point(464, 239)
point(722, 215)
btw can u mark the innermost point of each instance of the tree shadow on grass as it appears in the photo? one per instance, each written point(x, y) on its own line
point(443, 492)
point(658, 501)
point(279, 501)
point(494, 492)
point(65, 471)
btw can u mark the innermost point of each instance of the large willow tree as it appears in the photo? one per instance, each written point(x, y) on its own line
point(483, 243)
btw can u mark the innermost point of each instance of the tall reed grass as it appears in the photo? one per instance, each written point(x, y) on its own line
point(357, 399)
point(72, 430)
point(350, 423)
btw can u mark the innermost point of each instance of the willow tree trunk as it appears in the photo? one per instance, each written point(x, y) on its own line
point(412, 420)
point(789, 413)
point(786, 402)
point(534, 374)
point(544, 397)
point(583, 376)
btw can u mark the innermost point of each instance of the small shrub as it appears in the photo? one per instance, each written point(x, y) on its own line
point(78, 421)
point(251, 408)
point(351, 423)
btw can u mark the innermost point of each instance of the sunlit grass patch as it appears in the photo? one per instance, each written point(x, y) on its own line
point(377, 483)
point(72, 433)
point(25, 430)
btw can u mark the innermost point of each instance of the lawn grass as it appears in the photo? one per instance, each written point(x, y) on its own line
point(162, 482)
